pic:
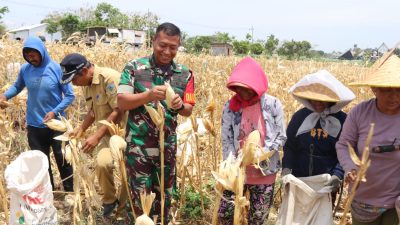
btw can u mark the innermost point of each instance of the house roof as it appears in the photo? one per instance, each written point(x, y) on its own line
point(347, 55)
point(30, 27)
point(221, 44)
point(113, 31)
point(383, 48)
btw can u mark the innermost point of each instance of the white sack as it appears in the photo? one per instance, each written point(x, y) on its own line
point(31, 195)
point(306, 201)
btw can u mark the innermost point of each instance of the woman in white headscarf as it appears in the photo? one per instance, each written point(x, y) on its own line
point(314, 130)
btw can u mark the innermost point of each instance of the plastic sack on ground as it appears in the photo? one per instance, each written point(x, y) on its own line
point(306, 201)
point(31, 195)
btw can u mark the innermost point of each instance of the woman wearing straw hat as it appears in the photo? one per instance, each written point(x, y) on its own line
point(374, 201)
point(314, 130)
point(248, 110)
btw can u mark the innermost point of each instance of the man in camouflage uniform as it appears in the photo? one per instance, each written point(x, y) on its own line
point(142, 82)
point(100, 91)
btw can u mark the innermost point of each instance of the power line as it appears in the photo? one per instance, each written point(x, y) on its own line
point(203, 25)
point(31, 5)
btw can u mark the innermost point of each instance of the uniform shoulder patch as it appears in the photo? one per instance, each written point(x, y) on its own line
point(111, 89)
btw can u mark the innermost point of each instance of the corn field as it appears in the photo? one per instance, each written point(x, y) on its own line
point(193, 172)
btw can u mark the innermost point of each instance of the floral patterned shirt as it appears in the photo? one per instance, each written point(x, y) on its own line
point(275, 136)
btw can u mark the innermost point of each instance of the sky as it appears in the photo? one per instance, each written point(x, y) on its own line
point(334, 25)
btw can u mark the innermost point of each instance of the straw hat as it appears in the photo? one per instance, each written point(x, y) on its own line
point(385, 75)
point(316, 92)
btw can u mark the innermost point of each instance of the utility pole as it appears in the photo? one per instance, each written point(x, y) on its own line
point(148, 29)
point(252, 33)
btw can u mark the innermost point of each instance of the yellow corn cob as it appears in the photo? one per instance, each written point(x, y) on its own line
point(57, 125)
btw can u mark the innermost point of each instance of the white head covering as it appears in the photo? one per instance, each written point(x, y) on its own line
point(329, 123)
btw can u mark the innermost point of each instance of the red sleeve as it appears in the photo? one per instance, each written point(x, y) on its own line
point(188, 95)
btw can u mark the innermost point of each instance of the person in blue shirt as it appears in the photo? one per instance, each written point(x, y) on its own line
point(47, 98)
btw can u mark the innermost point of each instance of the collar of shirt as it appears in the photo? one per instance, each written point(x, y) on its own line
point(96, 75)
point(174, 66)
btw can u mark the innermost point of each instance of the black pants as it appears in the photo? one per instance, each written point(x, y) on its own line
point(41, 139)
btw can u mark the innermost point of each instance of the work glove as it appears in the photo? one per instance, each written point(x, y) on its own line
point(334, 181)
point(286, 171)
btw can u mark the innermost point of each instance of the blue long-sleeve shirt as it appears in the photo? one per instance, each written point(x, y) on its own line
point(45, 92)
point(311, 153)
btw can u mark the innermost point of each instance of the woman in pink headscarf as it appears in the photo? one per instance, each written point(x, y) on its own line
point(251, 108)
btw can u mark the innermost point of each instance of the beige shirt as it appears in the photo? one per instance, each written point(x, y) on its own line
point(101, 95)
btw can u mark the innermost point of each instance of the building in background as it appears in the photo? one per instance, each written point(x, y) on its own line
point(221, 49)
point(34, 30)
point(135, 38)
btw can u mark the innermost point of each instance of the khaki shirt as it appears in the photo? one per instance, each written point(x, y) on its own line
point(101, 95)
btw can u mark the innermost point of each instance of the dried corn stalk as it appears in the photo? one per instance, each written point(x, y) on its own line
point(83, 180)
point(158, 120)
point(225, 180)
point(118, 146)
point(3, 195)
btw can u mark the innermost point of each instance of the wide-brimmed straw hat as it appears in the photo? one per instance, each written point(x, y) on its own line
point(317, 92)
point(385, 75)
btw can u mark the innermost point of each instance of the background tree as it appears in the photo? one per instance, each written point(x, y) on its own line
point(3, 10)
point(109, 16)
point(53, 21)
point(198, 44)
point(317, 54)
point(69, 24)
point(294, 49)
point(249, 37)
point(223, 37)
point(241, 47)
point(256, 48)
point(271, 44)
point(103, 14)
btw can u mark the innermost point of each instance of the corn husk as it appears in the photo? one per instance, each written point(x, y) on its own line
point(252, 153)
point(154, 115)
point(57, 125)
point(227, 174)
point(117, 145)
point(169, 95)
point(104, 157)
point(209, 126)
point(113, 128)
point(146, 201)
